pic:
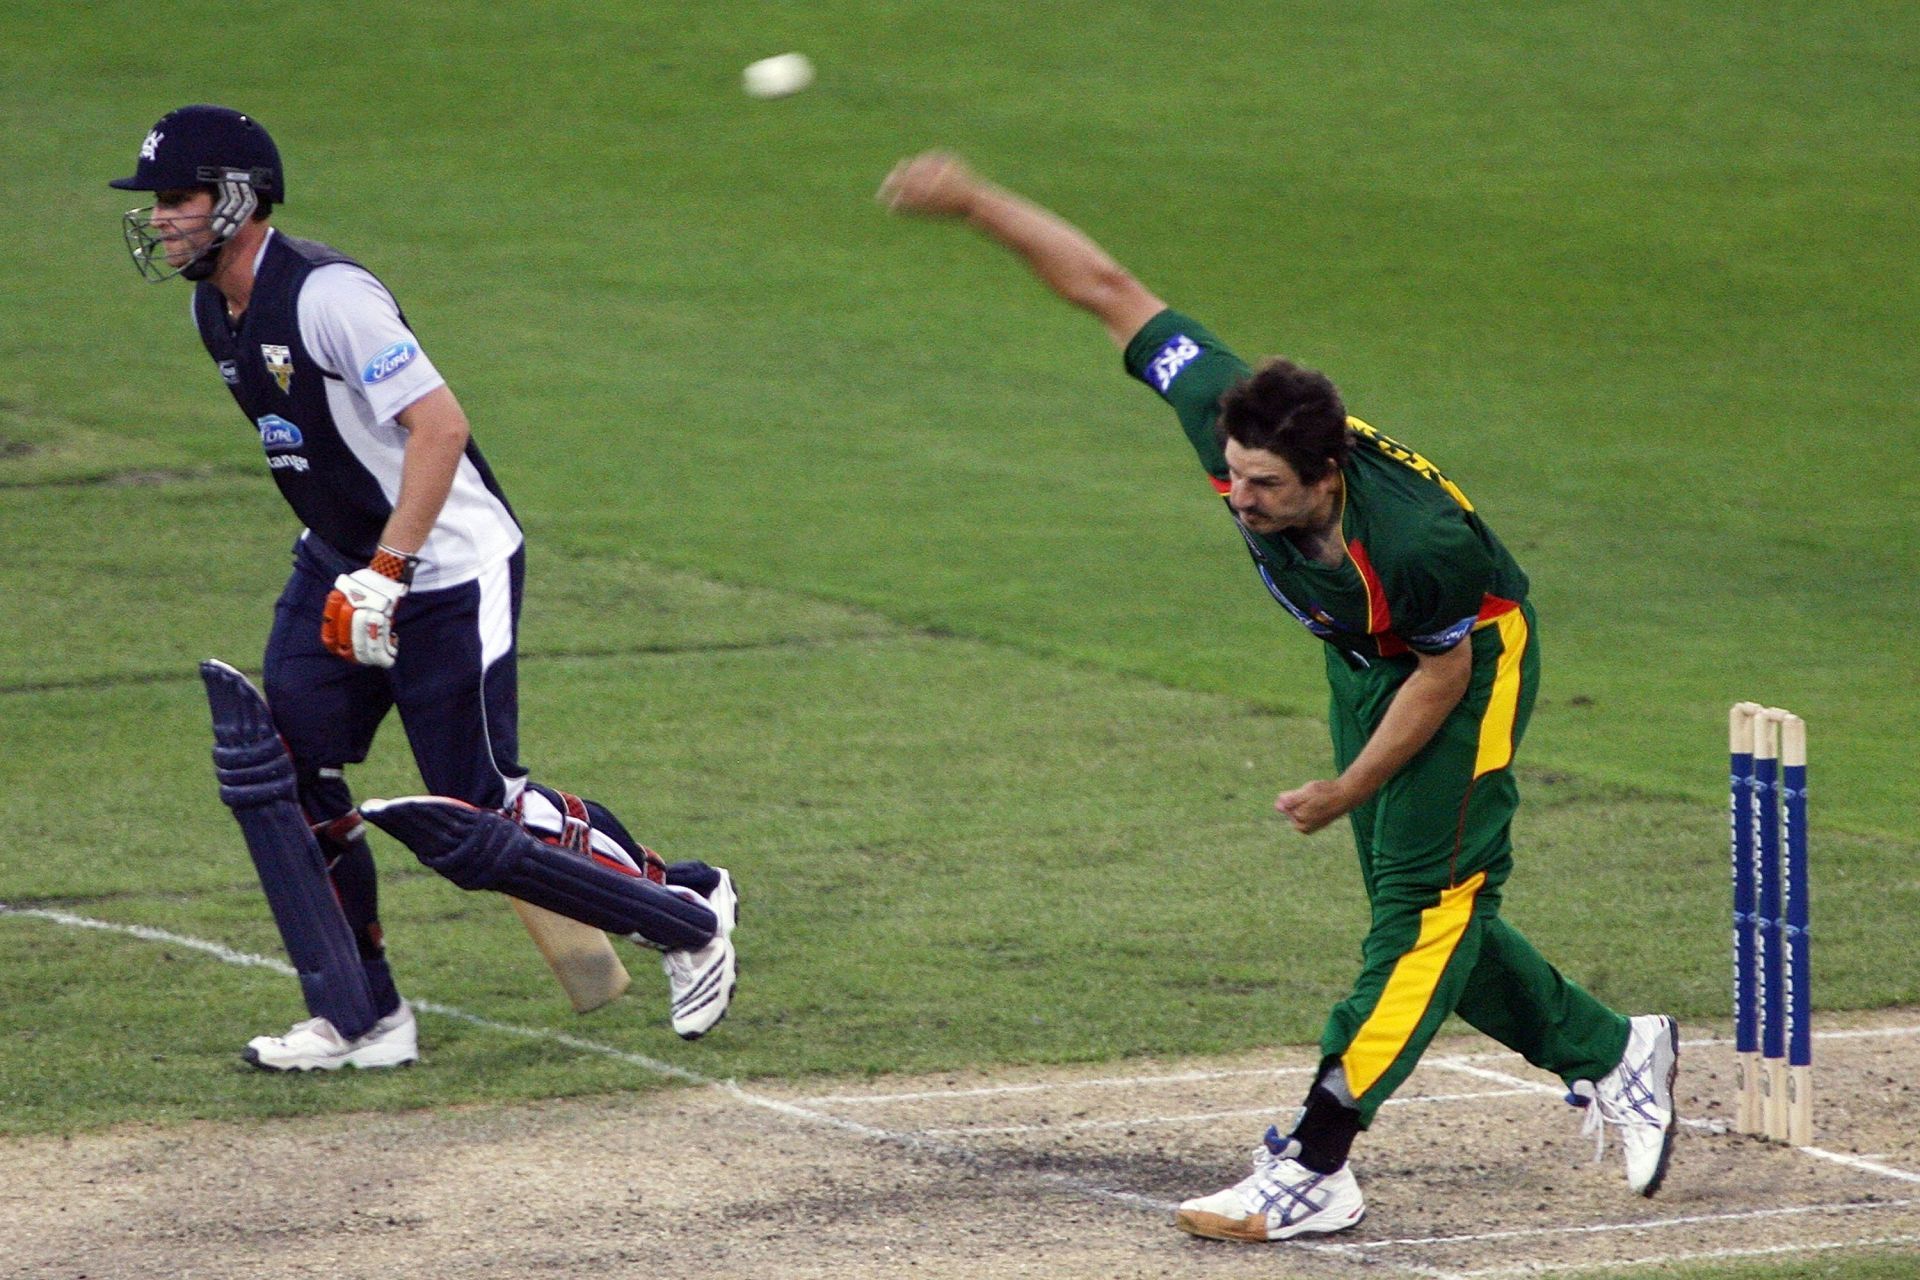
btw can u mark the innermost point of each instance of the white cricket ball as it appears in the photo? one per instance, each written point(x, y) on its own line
point(778, 76)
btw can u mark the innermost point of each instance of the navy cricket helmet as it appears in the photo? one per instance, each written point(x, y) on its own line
point(219, 148)
point(198, 146)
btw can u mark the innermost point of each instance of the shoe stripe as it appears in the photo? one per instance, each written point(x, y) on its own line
point(703, 989)
point(1298, 1195)
point(701, 985)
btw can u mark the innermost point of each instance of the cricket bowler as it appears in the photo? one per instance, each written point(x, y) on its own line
point(1433, 662)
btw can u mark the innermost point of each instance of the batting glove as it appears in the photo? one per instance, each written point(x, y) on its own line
point(357, 623)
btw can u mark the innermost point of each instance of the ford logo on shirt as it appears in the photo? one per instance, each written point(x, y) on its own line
point(277, 433)
point(388, 362)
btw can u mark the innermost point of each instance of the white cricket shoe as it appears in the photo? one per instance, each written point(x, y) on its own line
point(314, 1045)
point(701, 980)
point(1637, 1098)
point(1280, 1199)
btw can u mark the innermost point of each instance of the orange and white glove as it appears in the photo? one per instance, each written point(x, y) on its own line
point(357, 623)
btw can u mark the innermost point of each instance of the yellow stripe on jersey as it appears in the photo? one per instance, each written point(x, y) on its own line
point(1409, 990)
point(1503, 704)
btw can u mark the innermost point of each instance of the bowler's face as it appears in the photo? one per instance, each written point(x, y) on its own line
point(181, 220)
point(1266, 494)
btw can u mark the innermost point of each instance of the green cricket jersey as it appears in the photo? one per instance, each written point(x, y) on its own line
point(1422, 569)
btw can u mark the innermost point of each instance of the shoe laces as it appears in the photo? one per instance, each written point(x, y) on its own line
point(1594, 1123)
point(680, 965)
point(1627, 1102)
point(1274, 1147)
point(320, 1028)
point(685, 965)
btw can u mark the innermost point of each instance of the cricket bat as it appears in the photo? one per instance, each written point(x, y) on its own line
point(581, 956)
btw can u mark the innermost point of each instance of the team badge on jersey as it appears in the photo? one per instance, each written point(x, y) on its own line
point(279, 363)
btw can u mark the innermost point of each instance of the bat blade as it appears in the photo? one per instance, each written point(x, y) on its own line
point(581, 956)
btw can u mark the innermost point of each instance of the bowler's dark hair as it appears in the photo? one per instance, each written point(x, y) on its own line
point(1290, 411)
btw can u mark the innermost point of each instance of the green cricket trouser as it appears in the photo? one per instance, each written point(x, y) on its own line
point(1435, 848)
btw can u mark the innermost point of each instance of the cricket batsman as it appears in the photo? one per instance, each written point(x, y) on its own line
point(1433, 662)
point(404, 595)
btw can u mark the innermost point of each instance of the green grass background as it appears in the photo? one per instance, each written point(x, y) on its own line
point(858, 565)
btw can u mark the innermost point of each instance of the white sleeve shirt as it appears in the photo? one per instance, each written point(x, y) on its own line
point(351, 327)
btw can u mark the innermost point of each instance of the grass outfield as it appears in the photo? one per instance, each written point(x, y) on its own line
point(1636, 282)
point(858, 565)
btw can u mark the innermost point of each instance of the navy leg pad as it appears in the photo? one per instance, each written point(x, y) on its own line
point(481, 849)
point(257, 782)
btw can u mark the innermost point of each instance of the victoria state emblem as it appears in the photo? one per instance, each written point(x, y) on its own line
point(279, 363)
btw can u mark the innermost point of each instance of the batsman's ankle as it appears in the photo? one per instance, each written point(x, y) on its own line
point(380, 985)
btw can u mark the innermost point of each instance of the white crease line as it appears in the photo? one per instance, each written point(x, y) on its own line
point(1861, 1163)
point(1716, 1127)
point(1458, 1062)
point(227, 954)
point(1864, 1033)
point(246, 960)
point(230, 956)
point(1106, 1082)
point(1669, 1259)
point(1720, 1042)
point(1451, 1063)
point(1555, 1091)
point(1192, 1118)
point(1859, 1033)
point(1652, 1224)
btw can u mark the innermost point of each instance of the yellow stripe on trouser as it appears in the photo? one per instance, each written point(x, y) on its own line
point(1503, 703)
point(1409, 990)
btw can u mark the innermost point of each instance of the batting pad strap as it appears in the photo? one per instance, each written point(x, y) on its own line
point(257, 781)
point(480, 849)
point(562, 818)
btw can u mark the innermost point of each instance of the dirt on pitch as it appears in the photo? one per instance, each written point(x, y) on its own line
point(1069, 1173)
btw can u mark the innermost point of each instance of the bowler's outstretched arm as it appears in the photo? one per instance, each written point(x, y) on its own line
point(939, 184)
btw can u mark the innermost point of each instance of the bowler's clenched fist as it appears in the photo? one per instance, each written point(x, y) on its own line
point(936, 183)
point(1314, 805)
